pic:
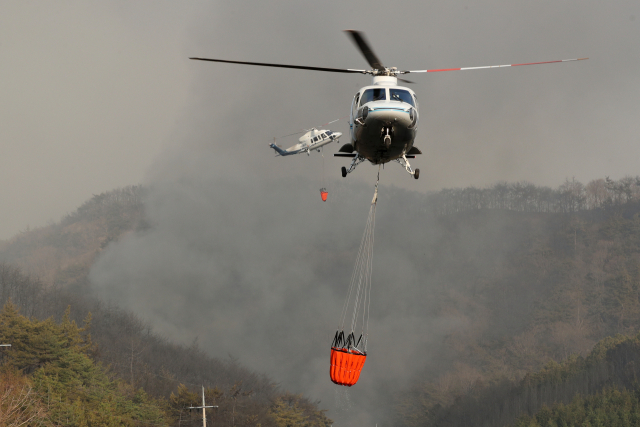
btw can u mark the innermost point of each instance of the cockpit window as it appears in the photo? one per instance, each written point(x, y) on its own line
point(373, 95)
point(402, 96)
point(329, 132)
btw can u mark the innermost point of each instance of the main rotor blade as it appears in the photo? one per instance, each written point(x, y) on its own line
point(361, 42)
point(406, 81)
point(491, 66)
point(299, 67)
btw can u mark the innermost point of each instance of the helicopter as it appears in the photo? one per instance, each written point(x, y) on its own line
point(313, 140)
point(384, 116)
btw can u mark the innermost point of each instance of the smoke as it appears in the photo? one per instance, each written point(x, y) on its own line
point(241, 252)
point(259, 269)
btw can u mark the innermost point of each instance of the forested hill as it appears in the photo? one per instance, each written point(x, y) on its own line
point(51, 375)
point(142, 377)
point(601, 389)
point(570, 197)
point(502, 281)
point(543, 285)
point(62, 253)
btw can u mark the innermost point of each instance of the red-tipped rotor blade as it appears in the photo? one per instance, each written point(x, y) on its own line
point(491, 66)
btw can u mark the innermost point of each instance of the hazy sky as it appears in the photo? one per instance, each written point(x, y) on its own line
point(93, 94)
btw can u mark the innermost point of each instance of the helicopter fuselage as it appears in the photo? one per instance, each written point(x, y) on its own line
point(384, 120)
point(312, 140)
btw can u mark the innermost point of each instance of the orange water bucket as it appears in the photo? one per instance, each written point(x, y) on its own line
point(324, 194)
point(345, 365)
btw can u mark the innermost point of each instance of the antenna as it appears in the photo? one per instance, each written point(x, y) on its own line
point(204, 418)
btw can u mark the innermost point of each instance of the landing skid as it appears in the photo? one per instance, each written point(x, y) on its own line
point(355, 162)
point(405, 163)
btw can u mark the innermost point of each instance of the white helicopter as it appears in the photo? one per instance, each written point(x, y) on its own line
point(384, 116)
point(312, 140)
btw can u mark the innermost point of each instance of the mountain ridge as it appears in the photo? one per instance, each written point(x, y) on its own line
point(517, 280)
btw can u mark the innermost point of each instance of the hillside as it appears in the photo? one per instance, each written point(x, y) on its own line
point(494, 284)
point(118, 353)
point(49, 378)
point(541, 286)
point(611, 408)
point(599, 389)
point(62, 253)
point(44, 272)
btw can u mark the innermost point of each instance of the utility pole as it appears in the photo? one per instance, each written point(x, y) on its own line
point(204, 417)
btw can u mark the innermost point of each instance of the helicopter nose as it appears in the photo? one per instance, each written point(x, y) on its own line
point(337, 134)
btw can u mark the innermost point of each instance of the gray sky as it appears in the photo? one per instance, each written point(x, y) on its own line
point(96, 93)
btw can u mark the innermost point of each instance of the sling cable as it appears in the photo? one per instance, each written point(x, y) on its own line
point(348, 354)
